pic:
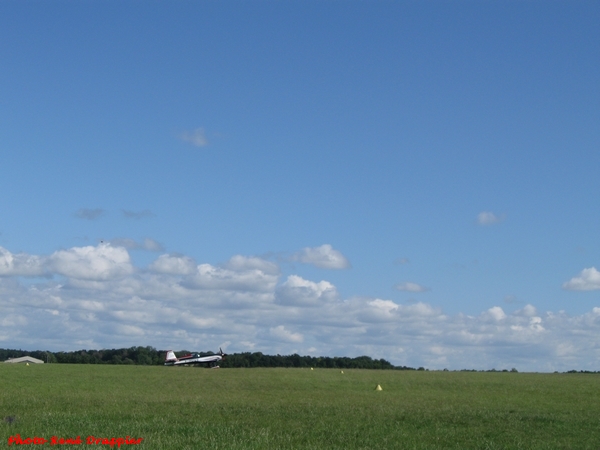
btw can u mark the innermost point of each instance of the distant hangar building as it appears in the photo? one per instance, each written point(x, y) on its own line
point(24, 359)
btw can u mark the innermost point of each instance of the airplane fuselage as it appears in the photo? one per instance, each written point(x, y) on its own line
point(193, 358)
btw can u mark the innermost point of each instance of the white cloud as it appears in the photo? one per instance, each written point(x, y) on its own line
point(385, 305)
point(195, 137)
point(128, 330)
point(201, 322)
point(488, 218)
point(239, 274)
point(241, 263)
point(388, 311)
point(20, 264)
point(588, 280)
point(99, 263)
point(527, 311)
point(13, 320)
point(281, 333)
point(495, 313)
point(411, 287)
point(300, 292)
point(174, 265)
point(248, 345)
point(324, 257)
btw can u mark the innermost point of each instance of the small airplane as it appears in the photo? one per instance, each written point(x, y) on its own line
point(194, 358)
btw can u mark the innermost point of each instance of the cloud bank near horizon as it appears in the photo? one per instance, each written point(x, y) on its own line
point(95, 297)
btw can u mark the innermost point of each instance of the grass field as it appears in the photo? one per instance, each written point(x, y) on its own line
point(178, 407)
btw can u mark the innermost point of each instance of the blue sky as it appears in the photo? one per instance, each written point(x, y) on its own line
point(416, 181)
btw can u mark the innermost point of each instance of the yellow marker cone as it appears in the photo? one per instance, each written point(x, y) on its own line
point(378, 388)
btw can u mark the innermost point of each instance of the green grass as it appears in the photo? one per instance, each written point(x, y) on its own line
point(175, 407)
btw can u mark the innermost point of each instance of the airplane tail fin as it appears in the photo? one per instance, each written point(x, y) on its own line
point(170, 356)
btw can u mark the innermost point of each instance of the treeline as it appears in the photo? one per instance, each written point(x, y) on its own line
point(150, 356)
point(582, 371)
point(325, 362)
